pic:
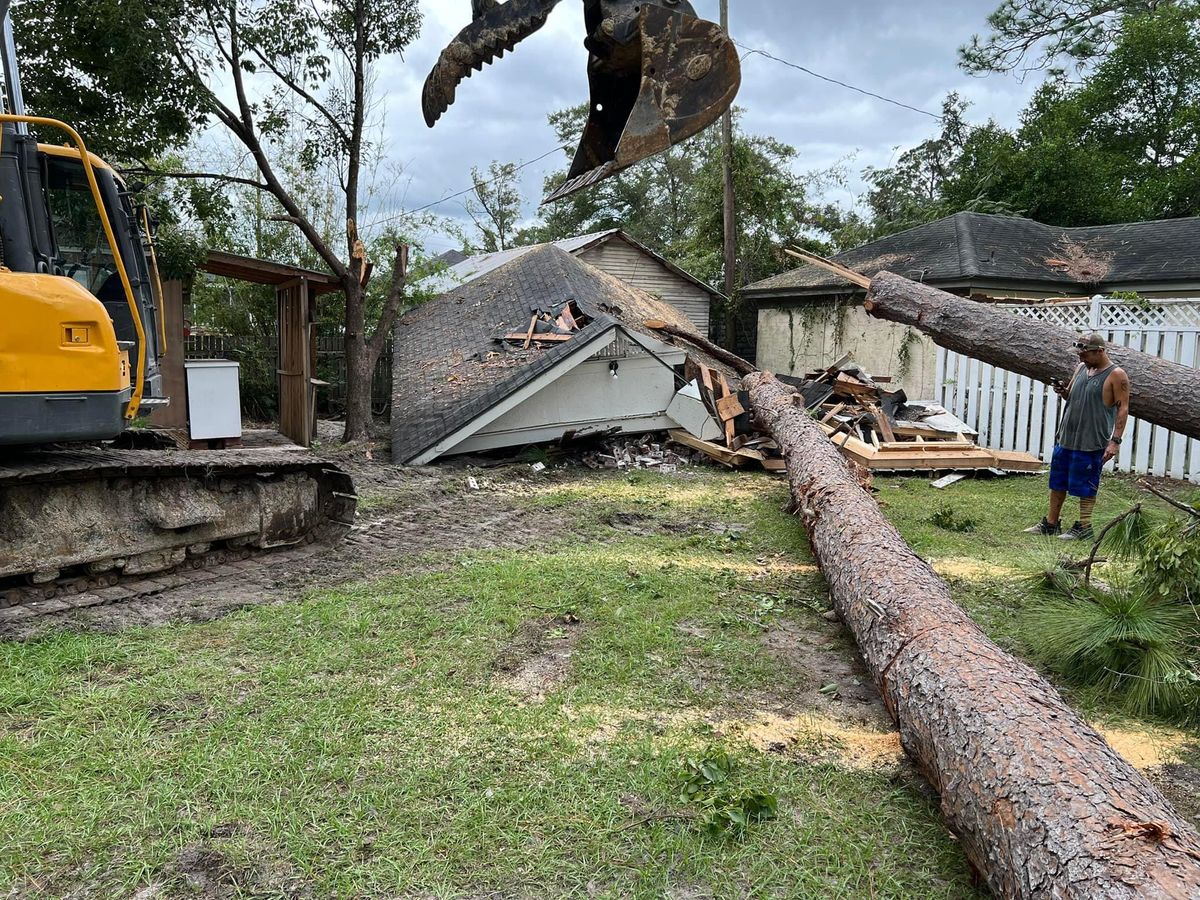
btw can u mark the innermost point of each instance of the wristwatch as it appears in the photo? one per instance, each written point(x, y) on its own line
point(1116, 440)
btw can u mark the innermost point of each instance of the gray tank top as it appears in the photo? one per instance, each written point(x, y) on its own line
point(1088, 424)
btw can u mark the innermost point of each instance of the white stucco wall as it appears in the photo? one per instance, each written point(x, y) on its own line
point(798, 339)
point(588, 397)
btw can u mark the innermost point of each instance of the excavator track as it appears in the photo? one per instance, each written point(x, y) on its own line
point(117, 524)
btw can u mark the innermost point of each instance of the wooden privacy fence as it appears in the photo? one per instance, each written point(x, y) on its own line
point(1012, 412)
point(331, 365)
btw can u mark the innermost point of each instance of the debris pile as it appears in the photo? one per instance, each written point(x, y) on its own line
point(872, 423)
point(636, 453)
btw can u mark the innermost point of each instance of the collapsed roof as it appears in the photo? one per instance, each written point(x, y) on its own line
point(452, 363)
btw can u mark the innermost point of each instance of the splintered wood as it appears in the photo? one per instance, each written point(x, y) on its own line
point(877, 428)
point(549, 327)
point(883, 432)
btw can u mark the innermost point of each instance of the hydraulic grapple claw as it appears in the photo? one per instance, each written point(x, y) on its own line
point(657, 75)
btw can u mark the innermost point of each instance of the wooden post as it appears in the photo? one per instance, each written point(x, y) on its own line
point(729, 214)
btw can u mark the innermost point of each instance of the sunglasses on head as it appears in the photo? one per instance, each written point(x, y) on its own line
point(1085, 348)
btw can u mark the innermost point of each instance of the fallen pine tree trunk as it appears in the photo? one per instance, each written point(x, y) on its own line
point(1162, 392)
point(1042, 805)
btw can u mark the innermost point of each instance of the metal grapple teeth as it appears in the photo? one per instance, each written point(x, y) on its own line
point(658, 75)
point(497, 29)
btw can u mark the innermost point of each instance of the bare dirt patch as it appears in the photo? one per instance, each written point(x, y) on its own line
point(538, 656)
point(834, 681)
point(408, 518)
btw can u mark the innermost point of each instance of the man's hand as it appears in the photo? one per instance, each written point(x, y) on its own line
point(1061, 388)
point(1111, 451)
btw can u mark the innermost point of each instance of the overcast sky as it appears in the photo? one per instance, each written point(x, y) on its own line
point(902, 50)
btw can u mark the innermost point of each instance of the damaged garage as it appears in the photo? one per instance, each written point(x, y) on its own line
point(544, 348)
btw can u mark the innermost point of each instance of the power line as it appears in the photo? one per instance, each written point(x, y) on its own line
point(413, 212)
point(752, 51)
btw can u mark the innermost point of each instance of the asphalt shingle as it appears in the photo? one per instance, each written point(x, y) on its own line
point(982, 248)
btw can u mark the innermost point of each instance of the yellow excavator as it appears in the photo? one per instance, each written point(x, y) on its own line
point(81, 338)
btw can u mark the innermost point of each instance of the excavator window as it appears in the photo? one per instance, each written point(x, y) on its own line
point(83, 251)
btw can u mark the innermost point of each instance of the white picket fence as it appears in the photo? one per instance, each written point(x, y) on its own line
point(1012, 412)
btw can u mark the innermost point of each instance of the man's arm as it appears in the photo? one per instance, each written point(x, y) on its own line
point(1119, 381)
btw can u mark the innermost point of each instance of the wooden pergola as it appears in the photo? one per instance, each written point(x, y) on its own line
point(296, 293)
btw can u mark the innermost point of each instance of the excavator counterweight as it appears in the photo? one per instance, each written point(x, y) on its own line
point(658, 74)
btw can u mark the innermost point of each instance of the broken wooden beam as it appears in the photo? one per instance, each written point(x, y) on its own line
point(1161, 392)
point(720, 354)
point(1042, 805)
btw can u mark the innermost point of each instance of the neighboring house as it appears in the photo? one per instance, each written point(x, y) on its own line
point(808, 317)
point(460, 388)
point(613, 252)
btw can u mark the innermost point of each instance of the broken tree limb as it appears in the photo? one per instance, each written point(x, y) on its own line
point(1161, 392)
point(1042, 805)
point(732, 360)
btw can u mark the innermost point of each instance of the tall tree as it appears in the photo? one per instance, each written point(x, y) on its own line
point(1038, 34)
point(1122, 145)
point(494, 205)
point(257, 66)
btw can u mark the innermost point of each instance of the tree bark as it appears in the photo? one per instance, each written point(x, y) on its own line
point(1042, 805)
point(359, 366)
point(1161, 392)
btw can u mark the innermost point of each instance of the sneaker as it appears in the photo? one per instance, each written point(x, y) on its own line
point(1045, 529)
point(1078, 532)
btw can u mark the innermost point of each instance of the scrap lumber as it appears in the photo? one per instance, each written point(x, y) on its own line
point(723, 455)
point(1042, 805)
point(1162, 393)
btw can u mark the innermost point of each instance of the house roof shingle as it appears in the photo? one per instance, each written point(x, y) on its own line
point(984, 248)
point(466, 268)
point(448, 366)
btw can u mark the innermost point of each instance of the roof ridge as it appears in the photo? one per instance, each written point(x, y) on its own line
point(968, 257)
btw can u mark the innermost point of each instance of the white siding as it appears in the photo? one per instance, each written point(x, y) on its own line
point(634, 267)
point(587, 397)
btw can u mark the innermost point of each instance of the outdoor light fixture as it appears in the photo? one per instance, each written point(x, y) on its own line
point(612, 367)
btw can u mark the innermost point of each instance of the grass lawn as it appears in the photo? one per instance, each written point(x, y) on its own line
point(514, 724)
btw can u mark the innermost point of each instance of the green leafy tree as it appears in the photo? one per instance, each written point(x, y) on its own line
point(1036, 34)
point(258, 67)
point(672, 202)
point(95, 65)
point(1122, 145)
point(494, 205)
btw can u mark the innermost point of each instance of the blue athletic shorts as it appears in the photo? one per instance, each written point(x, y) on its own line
point(1076, 471)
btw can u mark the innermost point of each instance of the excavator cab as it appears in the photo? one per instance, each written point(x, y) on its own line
point(81, 342)
point(658, 74)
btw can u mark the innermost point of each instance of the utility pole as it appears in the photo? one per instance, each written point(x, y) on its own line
point(730, 219)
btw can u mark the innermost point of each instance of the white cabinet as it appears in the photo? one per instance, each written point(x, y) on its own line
point(214, 399)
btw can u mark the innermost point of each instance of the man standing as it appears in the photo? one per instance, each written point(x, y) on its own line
point(1089, 436)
